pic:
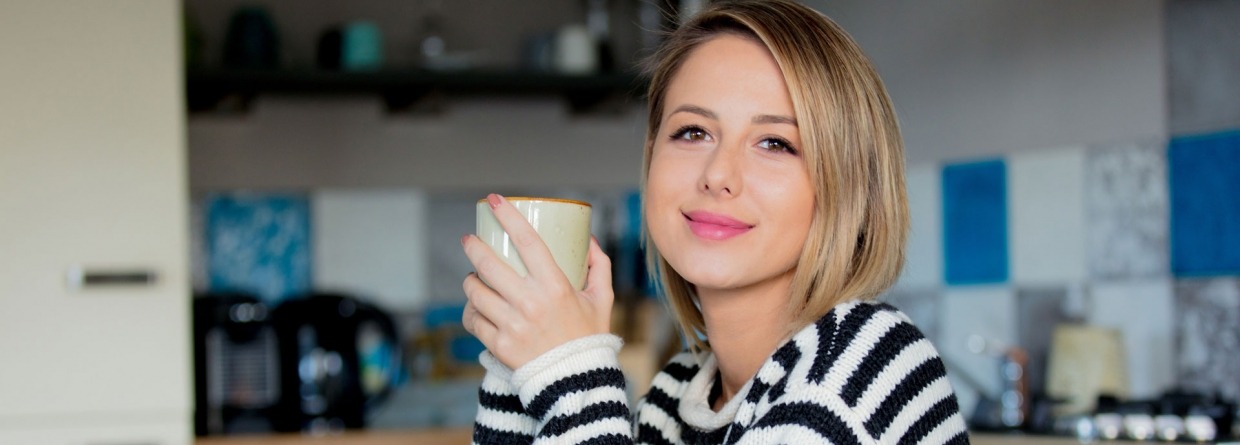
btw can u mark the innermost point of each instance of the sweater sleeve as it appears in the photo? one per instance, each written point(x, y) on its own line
point(501, 419)
point(576, 393)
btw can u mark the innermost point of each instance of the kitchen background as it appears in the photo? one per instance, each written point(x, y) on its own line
point(1069, 163)
point(1072, 178)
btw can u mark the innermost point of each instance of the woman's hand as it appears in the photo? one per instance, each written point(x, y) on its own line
point(519, 318)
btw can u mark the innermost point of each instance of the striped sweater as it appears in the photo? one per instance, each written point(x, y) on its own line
point(862, 374)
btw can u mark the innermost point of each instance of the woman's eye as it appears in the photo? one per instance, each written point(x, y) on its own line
point(777, 144)
point(691, 134)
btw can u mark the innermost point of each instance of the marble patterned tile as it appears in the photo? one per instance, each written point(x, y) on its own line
point(1208, 341)
point(1144, 313)
point(988, 312)
point(1040, 310)
point(259, 243)
point(1126, 210)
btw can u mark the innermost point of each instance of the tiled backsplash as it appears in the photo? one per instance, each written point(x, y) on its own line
point(399, 248)
point(1088, 241)
point(1090, 236)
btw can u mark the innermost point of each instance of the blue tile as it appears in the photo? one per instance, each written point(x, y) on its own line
point(258, 244)
point(975, 240)
point(1204, 179)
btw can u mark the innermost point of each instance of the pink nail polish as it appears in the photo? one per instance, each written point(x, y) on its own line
point(493, 200)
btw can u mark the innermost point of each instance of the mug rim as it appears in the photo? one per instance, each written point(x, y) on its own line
point(536, 198)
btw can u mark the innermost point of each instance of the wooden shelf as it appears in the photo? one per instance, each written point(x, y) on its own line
point(402, 89)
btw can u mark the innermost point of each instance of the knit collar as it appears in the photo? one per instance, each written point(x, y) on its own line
point(695, 407)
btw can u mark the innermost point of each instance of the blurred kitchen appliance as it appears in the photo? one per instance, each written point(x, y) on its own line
point(1085, 362)
point(1010, 409)
point(339, 357)
point(236, 377)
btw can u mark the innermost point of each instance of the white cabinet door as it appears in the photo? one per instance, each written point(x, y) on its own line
point(92, 175)
point(153, 434)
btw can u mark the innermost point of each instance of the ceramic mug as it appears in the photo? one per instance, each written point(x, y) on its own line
point(563, 224)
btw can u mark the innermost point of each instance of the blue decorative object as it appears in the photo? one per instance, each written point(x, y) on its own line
point(462, 346)
point(258, 244)
point(975, 222)
point(1205, 204)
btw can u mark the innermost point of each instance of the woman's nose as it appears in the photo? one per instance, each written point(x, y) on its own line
point(721, 175)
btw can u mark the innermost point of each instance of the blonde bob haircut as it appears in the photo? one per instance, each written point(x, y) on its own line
point(850, 143)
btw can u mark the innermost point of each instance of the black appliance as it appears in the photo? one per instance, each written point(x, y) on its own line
point(236, 378)
point(339, 357)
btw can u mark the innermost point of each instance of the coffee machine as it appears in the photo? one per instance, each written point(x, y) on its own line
point(339, 357)
point(236, 376)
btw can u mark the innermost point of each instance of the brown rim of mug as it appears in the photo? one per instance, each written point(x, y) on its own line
point(534, 198)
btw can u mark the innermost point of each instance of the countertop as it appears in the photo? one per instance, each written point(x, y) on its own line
point(461, 436)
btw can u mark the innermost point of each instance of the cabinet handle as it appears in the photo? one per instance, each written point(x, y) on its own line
point(79, 277)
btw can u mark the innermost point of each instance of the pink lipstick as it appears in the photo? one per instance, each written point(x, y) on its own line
point(714, 226)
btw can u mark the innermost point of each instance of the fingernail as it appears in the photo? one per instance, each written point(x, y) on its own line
point(463, 239)
point(494, 200)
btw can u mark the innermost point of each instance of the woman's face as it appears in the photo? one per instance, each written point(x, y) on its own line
point(728, 196)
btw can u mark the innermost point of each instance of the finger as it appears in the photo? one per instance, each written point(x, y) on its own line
point(598, 277)
point(478, 325)
point(534, 252)
point(486, 301)
point(498, 274)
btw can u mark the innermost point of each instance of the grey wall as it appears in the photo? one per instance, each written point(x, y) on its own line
point(1203, 40)
point(301, 143)
point(984, 77)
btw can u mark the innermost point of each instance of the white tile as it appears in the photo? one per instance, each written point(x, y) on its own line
point(923, 265)
point(1144, 311)
point(1046, 201)
point(372, 243)
point(985, 311)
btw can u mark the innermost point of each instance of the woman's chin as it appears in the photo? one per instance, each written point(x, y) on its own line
point(710, 280)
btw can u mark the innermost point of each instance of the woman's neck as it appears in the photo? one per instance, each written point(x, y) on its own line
point(744, 327)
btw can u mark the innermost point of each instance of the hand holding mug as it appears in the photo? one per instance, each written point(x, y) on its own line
point(521, 301)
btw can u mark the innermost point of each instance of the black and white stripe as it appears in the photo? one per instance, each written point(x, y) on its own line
point(862, 374)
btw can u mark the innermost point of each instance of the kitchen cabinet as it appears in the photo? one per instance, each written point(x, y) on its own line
point(93, 180)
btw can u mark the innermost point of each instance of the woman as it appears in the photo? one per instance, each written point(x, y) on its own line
point(775, 212)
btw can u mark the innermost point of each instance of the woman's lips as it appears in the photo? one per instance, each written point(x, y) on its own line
point(713, 226)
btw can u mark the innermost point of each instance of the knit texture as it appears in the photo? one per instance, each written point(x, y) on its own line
point(862, 374)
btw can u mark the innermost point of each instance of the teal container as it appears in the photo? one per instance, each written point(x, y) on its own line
point(361, 47)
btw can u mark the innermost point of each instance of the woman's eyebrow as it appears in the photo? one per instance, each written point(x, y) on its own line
point(696, 110)
point(773, 119)
point(759, 119)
